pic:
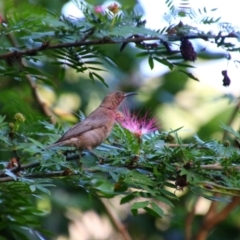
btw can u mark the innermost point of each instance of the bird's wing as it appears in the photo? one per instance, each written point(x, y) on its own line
point(84, 126)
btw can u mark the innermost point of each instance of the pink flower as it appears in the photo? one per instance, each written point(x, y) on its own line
point(99, 9)
point(136, 124)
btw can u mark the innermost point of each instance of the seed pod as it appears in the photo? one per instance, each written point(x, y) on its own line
point(226, 79)
point(187, 50)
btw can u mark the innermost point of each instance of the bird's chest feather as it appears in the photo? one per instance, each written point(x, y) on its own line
point(92, 138)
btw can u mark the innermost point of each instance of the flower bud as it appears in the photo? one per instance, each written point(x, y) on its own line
point(226, 144)
point(11, 125)
point(19, 117)
point(114, 8)
point(169, 138)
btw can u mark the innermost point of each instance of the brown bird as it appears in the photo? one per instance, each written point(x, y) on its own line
point(94, 129)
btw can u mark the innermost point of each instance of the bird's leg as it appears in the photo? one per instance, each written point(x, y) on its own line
point(75, 157)
point(79, 160)
point(99, 158)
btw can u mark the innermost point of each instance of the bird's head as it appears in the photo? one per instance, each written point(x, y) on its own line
point(113, 100)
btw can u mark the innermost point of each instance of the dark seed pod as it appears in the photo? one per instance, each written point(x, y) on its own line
point(181, 182)
point(187, 50)
point(226, 79)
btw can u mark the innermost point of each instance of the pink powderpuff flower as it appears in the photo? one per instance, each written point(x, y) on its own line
point(136, 124)
point(99, 9)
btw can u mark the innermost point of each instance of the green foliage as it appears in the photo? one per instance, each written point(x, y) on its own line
point(138, 166)
point(185, 10)
point(19, 214)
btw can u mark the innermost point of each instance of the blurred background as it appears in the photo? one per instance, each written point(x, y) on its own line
point(174, 99)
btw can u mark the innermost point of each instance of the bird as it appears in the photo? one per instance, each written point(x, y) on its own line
point(95, 128)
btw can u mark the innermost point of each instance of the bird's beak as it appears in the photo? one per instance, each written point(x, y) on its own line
point(129, 94)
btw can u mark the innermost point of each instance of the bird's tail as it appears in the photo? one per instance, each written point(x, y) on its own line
point(57, 144)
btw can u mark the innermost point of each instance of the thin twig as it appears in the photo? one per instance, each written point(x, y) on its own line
point(22, 167)
point(219, 167)
point(176, 145)
point(102, 41)
point(211, 220)
point(189, 222)
point(37, 163)
point(40, 175)
point(116, 221)
point(213, 208)
point(43, 107)
point(90, 32)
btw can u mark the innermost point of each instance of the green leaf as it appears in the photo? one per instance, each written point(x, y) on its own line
point(150, 62)
point(109, 61)
point(61, 74)
point(100, 78)
point(33, 188)
point(36, 143)
point(175, 57)
point(142, 54)
point(134, 212)
point(151, 211)
point(127, 199)
point(147, 189)
point(138, 205)
point(43, 189)
point(209, 20)
point(183, 65)
point(19, 235)
point(114, 176)
point(164, 200)
point(157, 209)
point(167, 193)
point(165, 62)
point(125, 31)
point(10, 174)
point(231, 130)
point(190, 75)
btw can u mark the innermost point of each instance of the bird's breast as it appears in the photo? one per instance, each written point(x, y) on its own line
point(95, 137)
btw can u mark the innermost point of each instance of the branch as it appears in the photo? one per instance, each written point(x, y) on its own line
point(189, 222)
point(43, 107)
point(115, 220)
point(176, 145)
point(212, 209)
point(102, 41)
point(63, 173)
point(71, 158)
point(212, 219)
point(219, 167)
point(22, 167)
